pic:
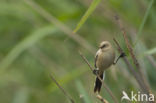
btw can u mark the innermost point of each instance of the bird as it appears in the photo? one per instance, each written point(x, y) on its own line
point(104, 58)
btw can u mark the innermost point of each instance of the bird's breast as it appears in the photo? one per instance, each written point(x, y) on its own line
point(105, 60)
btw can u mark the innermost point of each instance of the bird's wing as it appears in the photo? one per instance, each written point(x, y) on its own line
point(96, 57)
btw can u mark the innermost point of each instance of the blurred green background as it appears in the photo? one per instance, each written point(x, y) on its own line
point(36, 40)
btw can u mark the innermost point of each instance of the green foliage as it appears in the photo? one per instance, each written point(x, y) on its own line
point(144, 20)
point(150, 52)
point(90, 10)
point(31, 48)
point(83, 92)
point(25, 44)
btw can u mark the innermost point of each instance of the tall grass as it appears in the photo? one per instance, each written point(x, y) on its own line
point(29, 24)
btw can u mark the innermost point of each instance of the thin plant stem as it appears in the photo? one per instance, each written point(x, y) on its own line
point(61, 88)
point(130, 67)
point(105, 86)
point(102, 99)
point(145, 86)
point(49, 17)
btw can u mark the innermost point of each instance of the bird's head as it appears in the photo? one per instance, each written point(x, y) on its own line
point(105, 45)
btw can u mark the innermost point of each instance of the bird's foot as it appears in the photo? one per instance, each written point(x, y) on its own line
point(122, 54)
point(95, 72)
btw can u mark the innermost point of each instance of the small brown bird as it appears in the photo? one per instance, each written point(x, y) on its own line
point(104, 58)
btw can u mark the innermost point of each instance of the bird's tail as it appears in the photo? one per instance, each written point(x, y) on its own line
point(98, 84)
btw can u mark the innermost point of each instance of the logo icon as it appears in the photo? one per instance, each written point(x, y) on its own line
point(137, 96)
point(125, 96)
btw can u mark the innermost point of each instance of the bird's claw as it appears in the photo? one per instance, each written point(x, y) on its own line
point(95, 72)
point(122, 54)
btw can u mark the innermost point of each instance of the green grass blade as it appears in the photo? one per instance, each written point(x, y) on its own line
point(21, 96)
point(150, 52)
point(83, 92)
point(87, 14)
point(143, 21)
point(26, 43)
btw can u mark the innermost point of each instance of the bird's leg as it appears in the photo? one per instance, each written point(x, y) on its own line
point(96, 71)
point(120, 56)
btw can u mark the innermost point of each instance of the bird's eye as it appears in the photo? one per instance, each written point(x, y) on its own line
point(103, 46)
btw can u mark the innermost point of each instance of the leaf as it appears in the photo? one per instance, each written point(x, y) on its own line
point(150, 52)
point(87, 14)
point(83, 92)
point(143, 21)
point(21, 96)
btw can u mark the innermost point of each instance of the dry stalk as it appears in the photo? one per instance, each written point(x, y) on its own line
point(105, 86)
point(64, 92)
point(151, 60)
point(101, 99)
point(49, 17)
point(144, 84)
point(130, 67)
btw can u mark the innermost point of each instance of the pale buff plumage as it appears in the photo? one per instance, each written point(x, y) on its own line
point(104, 58)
